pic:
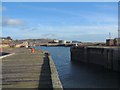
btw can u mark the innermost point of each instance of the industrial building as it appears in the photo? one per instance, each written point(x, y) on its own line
point(113, 42)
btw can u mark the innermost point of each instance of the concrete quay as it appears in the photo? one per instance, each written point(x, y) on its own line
point(108, 57)
point(26, 70)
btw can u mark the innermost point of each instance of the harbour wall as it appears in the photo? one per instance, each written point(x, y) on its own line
point(56, 83)
point(105, 56)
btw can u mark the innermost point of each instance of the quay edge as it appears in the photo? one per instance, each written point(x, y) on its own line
point(108, 57)
point(54, 74)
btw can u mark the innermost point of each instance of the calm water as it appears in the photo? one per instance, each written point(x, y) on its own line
point(79, 75)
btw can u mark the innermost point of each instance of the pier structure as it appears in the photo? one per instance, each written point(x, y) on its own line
point(108, 57)
point(26, 70)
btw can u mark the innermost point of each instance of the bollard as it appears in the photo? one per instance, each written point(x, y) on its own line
point(32, 50)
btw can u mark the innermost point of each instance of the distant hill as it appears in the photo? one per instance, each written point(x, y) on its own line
point(37, 40)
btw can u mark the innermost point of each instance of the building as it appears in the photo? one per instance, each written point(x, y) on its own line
point(62, 41)
point(110, 42)
point(117, 41)
point(25, 43)
point(68, 41)
point(113, 42)
point(56, 41)
point(5, 40)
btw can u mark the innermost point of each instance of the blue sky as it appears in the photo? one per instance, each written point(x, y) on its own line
point(83, 21)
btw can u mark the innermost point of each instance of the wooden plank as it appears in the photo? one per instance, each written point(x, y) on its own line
point(26, 70)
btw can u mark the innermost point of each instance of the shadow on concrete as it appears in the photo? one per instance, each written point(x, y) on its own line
point(3, 53)
point(45, 81)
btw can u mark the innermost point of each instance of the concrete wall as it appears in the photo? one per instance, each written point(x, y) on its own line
point(107, 57)
point(54, 74)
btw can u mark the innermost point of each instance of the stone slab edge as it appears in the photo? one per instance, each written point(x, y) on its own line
point(54, 75)
point(1, 57)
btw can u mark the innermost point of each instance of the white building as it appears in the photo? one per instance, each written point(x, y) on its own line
point(56, 41)
point(25, 44)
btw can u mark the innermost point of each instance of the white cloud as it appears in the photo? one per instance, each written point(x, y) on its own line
point(11, 22)
point(79, 29)
point(75, 32)
point(81, 33)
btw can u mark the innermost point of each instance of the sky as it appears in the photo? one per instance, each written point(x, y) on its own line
point(82, 21)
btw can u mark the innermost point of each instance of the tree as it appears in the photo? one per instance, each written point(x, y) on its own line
point(9, 38)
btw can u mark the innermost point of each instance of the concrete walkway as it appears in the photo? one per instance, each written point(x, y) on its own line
point(26, 70)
